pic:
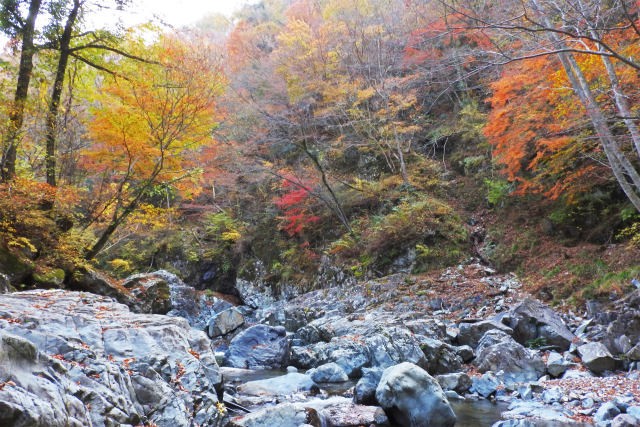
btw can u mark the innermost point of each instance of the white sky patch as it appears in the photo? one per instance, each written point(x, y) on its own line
point(177, 13)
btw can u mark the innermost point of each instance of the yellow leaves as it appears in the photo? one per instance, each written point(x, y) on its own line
point(231, 236)
point(121, 265)
point(365, 94)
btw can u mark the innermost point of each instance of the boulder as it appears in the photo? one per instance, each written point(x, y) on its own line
point(607, 412)
point(278, 386)
point(14, 268)
point(596, 357)
point(441, 358)
point(486, 385)
point(108, 366)
point(259, 347)
point(471, 333)
point(151, 291)
point(224, 322)
point(626, 323)
point(413, 398)
point(505, 354)
point(365, 390)
point(85, 279)
point(625, 420)
point(328, 373)
point(531, 320)
point(458, 382)
point(49, 279)
point(558, 365)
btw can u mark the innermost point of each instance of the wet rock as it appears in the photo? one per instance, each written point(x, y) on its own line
point(282, 415)
point(532, 320)
point(365, 390)
point(471, 333)
point(412, 398)
point(225, 322)
point(259, 347)
point(351, 415)
point(328, 373)
point(278, 386)
point(458, 382)
point(625, 420)
point(596, 357)
point(606, 412)
point(505, 354)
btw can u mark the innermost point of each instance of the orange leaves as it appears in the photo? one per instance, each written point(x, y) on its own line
point(533, 127)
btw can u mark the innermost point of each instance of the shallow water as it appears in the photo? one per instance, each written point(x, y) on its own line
point(470, 413)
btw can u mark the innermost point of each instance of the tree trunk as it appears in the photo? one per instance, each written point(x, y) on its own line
point(16, 115)
point(54, 103)
point(624, 172)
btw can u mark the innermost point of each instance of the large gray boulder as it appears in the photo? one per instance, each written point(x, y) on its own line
point(259, 347)
point(70, 358)
point(225, 322)
point(596, 357)
point(532, 320)
point(499, 352)
point(413, 398)
point(471, 333)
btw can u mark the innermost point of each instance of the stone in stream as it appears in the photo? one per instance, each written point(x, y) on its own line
point(259, 347)
point(458, 382)
point(224, 322)
point(596, 357)
point(486, 385)
point(413, 398)
point(365, 390)
point(328, 373)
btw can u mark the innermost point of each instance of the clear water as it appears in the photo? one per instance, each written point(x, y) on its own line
point(480, 413)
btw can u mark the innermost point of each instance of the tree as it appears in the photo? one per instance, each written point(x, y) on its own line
point(145, 126)
point(571, 29)
point(15, 24)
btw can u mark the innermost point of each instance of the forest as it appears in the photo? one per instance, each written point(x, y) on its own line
point(303, 146)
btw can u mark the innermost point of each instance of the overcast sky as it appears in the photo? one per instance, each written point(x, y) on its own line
point(174, 12)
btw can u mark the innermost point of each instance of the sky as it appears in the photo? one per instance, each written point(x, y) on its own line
point(176, 13)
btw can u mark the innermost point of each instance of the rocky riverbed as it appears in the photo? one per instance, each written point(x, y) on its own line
point(467, 348)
